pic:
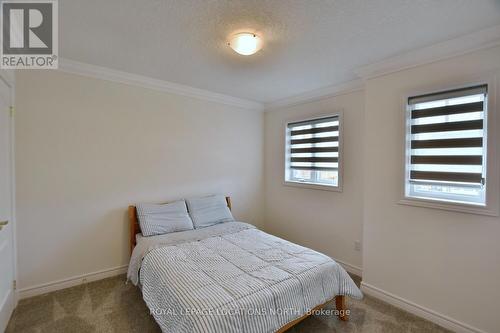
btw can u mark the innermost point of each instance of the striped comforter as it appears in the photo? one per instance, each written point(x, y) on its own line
point(234, 279)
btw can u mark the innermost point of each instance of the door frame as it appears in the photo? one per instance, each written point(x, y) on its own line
point(8, 77)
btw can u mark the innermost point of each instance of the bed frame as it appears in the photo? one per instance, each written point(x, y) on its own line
point(340, 300)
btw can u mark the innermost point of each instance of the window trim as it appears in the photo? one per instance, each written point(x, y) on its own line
point(491, 207)
point(316, 186)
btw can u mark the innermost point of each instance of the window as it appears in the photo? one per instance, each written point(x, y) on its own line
point(313, 153)
point(446, 146)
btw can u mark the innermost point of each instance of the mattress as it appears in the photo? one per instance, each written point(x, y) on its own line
point(232, 277)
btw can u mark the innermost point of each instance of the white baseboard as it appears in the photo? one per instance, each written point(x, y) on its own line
point(70, 282)
point(350, 268)
point(418, 310)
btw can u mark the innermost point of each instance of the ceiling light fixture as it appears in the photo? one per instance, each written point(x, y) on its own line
point(245, 43)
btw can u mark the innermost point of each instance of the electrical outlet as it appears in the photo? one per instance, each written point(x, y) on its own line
point(357, 245)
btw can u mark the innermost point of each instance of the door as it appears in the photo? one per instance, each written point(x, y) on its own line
point(6, 227)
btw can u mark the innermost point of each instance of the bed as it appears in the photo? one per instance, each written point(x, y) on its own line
point(233, 277)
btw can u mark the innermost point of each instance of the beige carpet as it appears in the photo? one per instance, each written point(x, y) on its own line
point(110, 305)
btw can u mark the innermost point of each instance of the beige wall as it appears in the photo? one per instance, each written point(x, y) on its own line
point(87, 148)
point(326, 221)
point(445, 261)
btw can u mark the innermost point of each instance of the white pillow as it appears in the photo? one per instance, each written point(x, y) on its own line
point(157, 219)
point(208, 211)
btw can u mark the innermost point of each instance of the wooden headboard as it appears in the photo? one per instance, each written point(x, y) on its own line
point(135, 228)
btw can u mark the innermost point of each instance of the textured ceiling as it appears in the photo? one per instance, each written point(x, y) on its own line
point(309, 44)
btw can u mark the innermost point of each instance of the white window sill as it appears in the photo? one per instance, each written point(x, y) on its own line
point(314, 186)
point(457, 207)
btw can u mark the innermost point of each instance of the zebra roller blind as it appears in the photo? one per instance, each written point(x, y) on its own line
point(447, 142)
point(313, 151)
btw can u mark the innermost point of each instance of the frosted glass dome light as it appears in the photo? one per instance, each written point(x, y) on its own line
point(245, 43)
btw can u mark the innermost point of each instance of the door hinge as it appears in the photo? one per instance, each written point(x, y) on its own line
point(11, 111)
point(14, 284)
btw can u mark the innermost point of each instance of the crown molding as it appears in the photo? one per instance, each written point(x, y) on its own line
point(476, 41)
point(108, 74)
point(318, 94)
